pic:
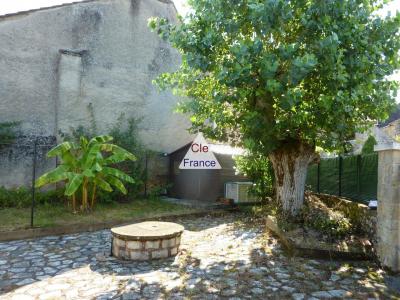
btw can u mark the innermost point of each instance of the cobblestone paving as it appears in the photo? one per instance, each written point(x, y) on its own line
point(220, 258)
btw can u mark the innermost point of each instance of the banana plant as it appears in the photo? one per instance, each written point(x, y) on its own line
point(86, 166)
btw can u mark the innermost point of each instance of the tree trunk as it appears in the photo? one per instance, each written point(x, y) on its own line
point(93, 196)
point(74, 203)
point(85, 195)
point(290, 162)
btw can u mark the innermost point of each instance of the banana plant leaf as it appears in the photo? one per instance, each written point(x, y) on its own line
point(104, 185)
point(100, 140)
point(58, 174)
point(60, 149)
point(117, 173)
point(73, 184)
point(117, 183)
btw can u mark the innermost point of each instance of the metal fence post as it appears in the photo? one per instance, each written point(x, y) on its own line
point(340, 175)
point(358, 175)
point(146, 174)
point(318, 177)
point(33, 180)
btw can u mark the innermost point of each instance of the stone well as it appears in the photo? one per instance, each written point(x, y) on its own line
point(146, 240)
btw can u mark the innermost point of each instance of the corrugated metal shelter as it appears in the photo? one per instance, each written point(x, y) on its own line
point(203, 185)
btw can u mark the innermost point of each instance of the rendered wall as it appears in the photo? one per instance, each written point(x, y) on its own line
point(388, 214)
point(62, 66)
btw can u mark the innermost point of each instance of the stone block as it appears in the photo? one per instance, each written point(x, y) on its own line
point(139, 255)
point(134, 245)
point(123, 254)
point(168, 243)
point(161, 253)
point(174, 251)
point(115, 251)
point(152, 244)
point(119, 242)
point(178, 240)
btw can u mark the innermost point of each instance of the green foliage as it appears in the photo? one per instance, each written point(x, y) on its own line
point(156, 191)
point(331, 221)
point(268, 74)
point(272, 71)
point(57, 215)
point(125, 135)
point(368, 147)
point(86, 166)
point(258, 169)
point(333, 224)
point(7, 132)
point(22, 197)
point(358, 215)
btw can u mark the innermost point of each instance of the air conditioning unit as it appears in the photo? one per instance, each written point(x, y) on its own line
point(239, 192)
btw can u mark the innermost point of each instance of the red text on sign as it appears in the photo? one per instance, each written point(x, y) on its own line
point(199, 148)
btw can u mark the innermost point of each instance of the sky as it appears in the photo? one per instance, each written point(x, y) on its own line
point(12, 6)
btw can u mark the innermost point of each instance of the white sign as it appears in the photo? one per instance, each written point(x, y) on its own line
point(199, 156)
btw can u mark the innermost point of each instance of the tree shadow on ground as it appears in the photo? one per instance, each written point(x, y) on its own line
point(232, 263)
point(55, 255)
point(190, 274)
point(267, 273)
point(360, 278)
point(179, 278)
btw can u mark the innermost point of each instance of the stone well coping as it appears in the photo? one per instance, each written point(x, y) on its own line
point(147, 231)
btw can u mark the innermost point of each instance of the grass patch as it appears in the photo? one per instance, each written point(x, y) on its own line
point(58, 215)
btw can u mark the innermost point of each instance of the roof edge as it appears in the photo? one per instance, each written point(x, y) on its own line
point(26, 12)
point(23, 12)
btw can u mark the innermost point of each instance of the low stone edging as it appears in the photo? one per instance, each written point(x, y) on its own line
point(308, 252)
point(32, 233)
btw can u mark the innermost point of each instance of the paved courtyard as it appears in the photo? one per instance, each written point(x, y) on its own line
point(220, 258)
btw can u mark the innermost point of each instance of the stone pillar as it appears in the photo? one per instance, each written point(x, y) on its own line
point(388, 217)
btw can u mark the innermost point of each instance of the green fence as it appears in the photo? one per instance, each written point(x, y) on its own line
point(354, 177)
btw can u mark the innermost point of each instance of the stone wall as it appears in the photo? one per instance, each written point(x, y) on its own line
point(88, 63)
point(146, 250)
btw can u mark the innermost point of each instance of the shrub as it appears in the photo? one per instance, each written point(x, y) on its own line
point(22, 197)
point(317, 215)
point(368, 147)
point(8, 132)
point(87, 166)
point(258, 169)
point(126, 136)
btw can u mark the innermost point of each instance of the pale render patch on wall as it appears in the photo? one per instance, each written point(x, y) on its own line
point(56, 63)
point(69, 105)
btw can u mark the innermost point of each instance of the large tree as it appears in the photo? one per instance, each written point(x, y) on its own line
point(282, 77)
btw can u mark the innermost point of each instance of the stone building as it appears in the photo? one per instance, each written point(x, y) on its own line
point(75, 64)
point(384, 132)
